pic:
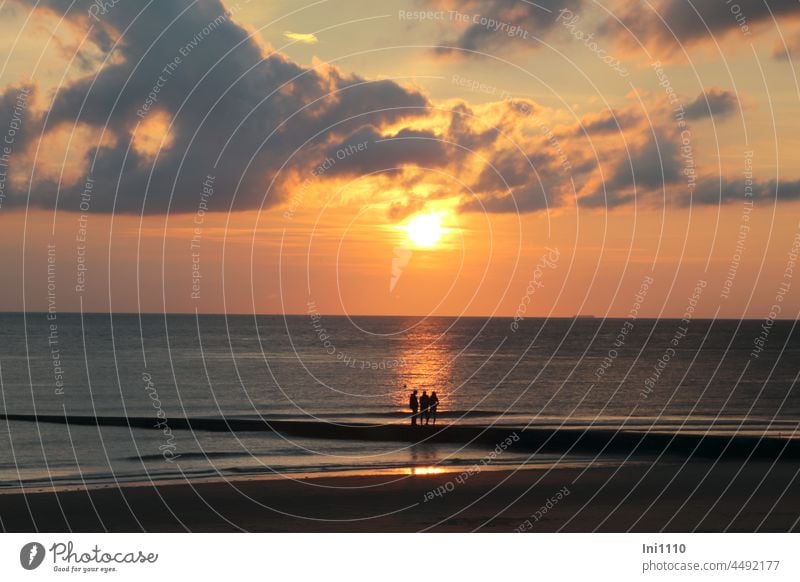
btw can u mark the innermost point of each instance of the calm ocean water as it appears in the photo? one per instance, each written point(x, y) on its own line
point(557, 372)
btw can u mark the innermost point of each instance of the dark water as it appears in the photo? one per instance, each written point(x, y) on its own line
point(560, 372)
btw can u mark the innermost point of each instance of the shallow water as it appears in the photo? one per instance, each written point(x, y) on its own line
point(558, 372)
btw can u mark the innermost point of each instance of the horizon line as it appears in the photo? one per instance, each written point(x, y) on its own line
point(305, 314)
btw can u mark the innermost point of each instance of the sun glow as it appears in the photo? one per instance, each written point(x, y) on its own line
point(425, 230)
point(424, 470)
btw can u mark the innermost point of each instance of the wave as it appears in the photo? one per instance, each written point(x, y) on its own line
point(538, 439)
point(383, 414)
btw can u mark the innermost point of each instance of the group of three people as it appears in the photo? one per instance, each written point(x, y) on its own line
point(423, 408)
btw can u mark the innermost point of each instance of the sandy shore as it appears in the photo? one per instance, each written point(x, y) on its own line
point(664, 497)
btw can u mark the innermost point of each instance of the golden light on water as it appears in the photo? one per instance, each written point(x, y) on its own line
point(425, 350)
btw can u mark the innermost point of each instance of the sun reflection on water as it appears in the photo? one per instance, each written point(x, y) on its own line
point(426, 352)
point(424, 470)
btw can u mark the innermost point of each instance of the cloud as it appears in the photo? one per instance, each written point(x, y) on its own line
point(463, 132)
point(306, 38)
point(399, 210)
point(651, 165)
point(530, 180)
point(490, 25)
point(712, 103)
point(649, 169)
point(659, 180)
point(19, 121)
point(787, 48)
point(713, 191)
point(606, 122)
point(523, 199)
point(225, 104)
point(206, 98)
point(367, 151)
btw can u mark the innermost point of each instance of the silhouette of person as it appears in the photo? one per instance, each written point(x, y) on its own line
point(432, 405)
point(424, 404)
point(413, 404)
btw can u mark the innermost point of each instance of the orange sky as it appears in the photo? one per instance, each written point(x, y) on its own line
point(316, 153)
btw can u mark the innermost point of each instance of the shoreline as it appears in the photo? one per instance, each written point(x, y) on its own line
point(533, 439)
point(399, 471)
point(673, 496)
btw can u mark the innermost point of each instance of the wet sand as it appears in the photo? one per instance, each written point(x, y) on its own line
point(643, 497)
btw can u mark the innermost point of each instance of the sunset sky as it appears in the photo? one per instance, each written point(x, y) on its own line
point(400, 157)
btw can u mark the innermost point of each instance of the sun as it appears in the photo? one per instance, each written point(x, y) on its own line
point(425, 230)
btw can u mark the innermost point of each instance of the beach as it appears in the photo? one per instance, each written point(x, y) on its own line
point(669, 496)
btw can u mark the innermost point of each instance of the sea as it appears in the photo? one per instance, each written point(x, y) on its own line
point(667, 375)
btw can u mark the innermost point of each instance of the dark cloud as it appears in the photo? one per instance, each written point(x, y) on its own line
point(712, 103)
point(527, 198)
point(673, 23)
point(229, 99)
point(242, 112)
point(497, 24)
point(648, 169)
point(367, 150)
point(651, 165)
point(714, 191)
point(709, 191)
point(606, 122)
point(462, 120)
point(19, 120)
point(20, 123)
point(786, 49)
point(511, 169)
point(375, 151)
point(605, 198)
